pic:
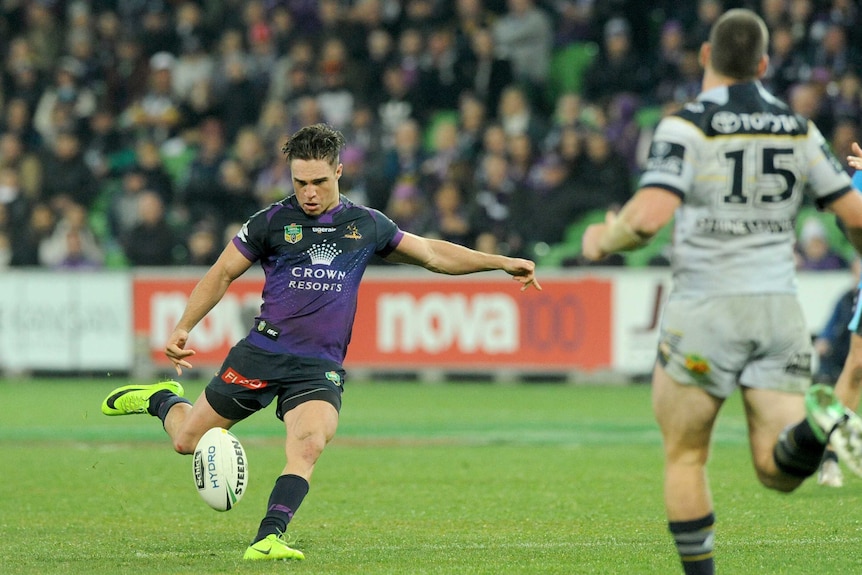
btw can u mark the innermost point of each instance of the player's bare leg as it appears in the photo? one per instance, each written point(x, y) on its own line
point(769, 412)
point(185, 424)
point(686, 415)
point(848, 388)
point(310, 427)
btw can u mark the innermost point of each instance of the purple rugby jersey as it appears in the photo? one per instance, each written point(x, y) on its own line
point(313, 266)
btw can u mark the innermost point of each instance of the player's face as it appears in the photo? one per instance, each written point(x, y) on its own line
point(316, 185)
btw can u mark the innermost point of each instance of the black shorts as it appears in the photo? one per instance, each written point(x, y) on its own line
point(250, 378)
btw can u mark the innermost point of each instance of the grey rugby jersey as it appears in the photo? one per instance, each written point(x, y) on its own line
point(741, 161)
point(312, 267)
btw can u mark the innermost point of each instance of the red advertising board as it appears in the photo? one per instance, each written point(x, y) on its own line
point(407, 322)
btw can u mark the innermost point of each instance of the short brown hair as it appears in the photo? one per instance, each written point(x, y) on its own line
point(739, 40)
point(315, 142)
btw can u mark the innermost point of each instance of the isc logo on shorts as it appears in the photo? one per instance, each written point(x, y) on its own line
point(231, 376)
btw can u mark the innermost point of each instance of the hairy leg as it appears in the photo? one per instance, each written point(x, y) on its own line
point(686, 415)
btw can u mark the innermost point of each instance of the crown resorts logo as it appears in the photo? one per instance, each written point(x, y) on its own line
point(323, 253)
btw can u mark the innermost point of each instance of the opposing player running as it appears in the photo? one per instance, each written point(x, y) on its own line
point(732, 168)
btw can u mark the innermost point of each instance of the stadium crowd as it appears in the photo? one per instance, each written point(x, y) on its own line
point(144, 132)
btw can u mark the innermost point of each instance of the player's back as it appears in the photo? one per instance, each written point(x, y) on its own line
point(741, 161)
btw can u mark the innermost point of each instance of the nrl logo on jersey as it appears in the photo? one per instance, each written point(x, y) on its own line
point(292, 233)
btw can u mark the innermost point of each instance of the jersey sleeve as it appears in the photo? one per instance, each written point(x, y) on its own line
point(251, 239)
point(672, 156)
point(388, 233)
point(857, 180)
point(827, 180)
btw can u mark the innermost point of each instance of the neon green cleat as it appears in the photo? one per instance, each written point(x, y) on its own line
point(131, 399)
point(272, 548)
point(831, 421)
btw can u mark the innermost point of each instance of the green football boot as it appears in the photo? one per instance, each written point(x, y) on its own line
point(272, 548)
point(833, 422)
point(131, 399)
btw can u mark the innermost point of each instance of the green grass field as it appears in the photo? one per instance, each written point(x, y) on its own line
point(421, 479)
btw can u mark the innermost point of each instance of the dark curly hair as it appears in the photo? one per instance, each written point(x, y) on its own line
point(315, 142)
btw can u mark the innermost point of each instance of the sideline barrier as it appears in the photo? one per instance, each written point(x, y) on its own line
point(586, 322)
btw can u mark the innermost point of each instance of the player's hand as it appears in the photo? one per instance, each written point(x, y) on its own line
point(591, 242)
point(176, 352)
point(856, 160)
point(523, 271)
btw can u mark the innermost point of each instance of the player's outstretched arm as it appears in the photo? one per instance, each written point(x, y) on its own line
point(452, 259)
point(637, 222)
point(207, 293)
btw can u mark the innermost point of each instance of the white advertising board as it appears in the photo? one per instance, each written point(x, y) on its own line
point(65, 321)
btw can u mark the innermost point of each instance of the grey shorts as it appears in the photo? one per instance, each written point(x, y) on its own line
point(250, 378)
point(721, 343)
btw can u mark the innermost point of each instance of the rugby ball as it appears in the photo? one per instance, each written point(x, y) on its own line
point(220, 469)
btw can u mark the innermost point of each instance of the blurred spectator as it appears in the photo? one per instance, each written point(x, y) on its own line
point(451, 216)
point(787, 64)
point(156, 32)
point(408, 208)
point(43, 34)
point(103, 142)
point(274, 182)
point(521, 154)
point(127, 72)
point(335, 97)
point(21, 78)
point(239, 98)
point(194, 64)
point(156, 114)
point(668, 61)
point(517, 115)
point(65, 175)
point(17, 120)
point(380, 47)
point(443, 153)
point(15, 204)
point(355, 182)
point(123, 204)
point(236, 198)
point(493, 215)
point(27, 166)
point(148, 162)
point(549, 205)
point(832, 52)
point(472, 117)
point(72, 244)
point(483, 72)
point(618, 67)
point(250, 151)
point(404, 160)
point(707, 13)
point(203, 246)
point(152, 241)
point(525, 35)
point(40, 226)
point(396, 103)
point(440, 82)
point(67, 92)
point(813, 249)
point(201, 191)
point(604, 181)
